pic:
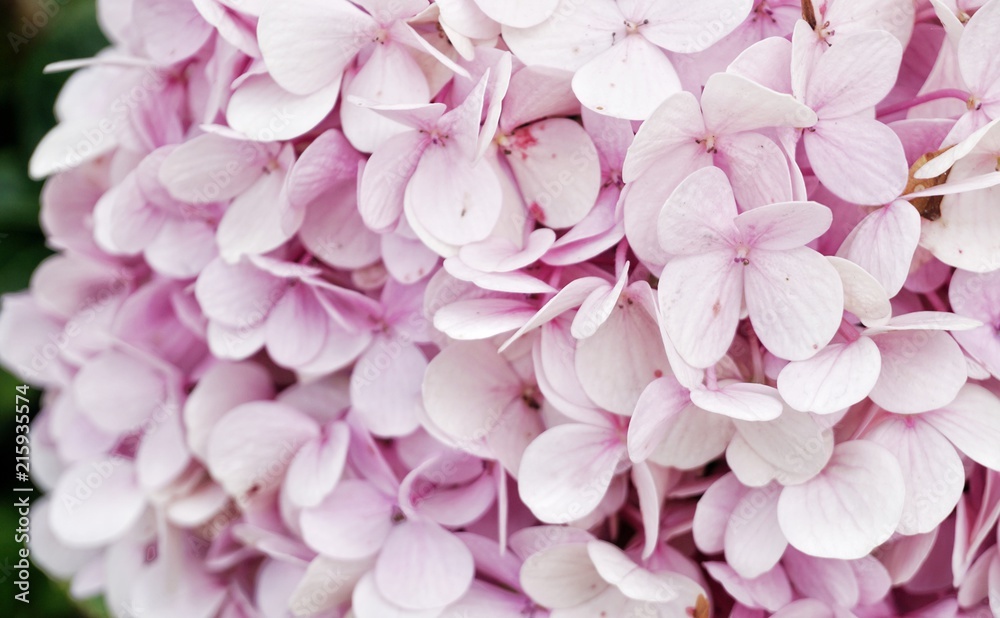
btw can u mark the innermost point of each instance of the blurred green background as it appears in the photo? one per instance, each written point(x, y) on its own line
point(68, 29)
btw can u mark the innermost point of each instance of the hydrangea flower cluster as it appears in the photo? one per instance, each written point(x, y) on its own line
point(508, 308)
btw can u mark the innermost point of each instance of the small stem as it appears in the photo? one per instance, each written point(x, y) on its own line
point(620, 254)
point(756, 356)
point(936, 302)
point(947, 93)
point(710, 380)
point(870, 415)
point(848, 331)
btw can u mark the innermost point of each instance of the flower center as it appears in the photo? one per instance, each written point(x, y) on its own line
point(742, 255)
point(709, 142)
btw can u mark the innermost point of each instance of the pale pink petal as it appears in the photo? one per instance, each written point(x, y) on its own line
point(454, 489)
point(966, 235)
point(352, 522)
point(296, 327)
point(482, 318)
point(859, 159)
point(423, 566)
point(385, 387)
point(854, 75)
point(714, 511)
point(972, 423)
point(567, 39)
point(694, 438)
point(795, 300)
point(454, 200)
point(306, 44)
point(118, 391)
point(770, 591)
point(252, 445)
point(740, 400)
point(566, 471)
point(783, 226)
point(624, 355)
point(618, 81)
point(556, 167)
point(921, 370)
point(830, 581)
point(518, 13)
point(367, 601)
point(211, 168)
point(884, 242)
point(95, 502)
point(660, 401)
point(220, 389)
point(389, 76)
point(698, 216)
point(385, 178)
point(732, 103)
point(839, 376)
point(317, 466)
point(794, 445)
point(932, 471)
point(757, 168)
point(463, 409)
point(264, 111)
point(680, 27)
point(848, 509)
point(561, 576)
point(754, 542)
point(864, 296)
point(700, 298)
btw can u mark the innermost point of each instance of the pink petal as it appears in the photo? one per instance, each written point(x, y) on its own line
point(95, 502)
point(317, 466)
point(385, 387)
point(482, 318)
point(351, 522)
point(757, 167)
point(454, 200)
point(212, 168)
point(660, 401)
point(864, 296)
point(389, 76)
point(754, 542)
point(850, 508)
point(714, 511)
point(859, 159)
point(519, 13)
point(921, 370)
point(932, 471)
point(854, 75)
point(562, 576)
point(839, 376)
point(118, 392)
point(220, 389)
point(556, 167)
point(698, 217)
point(700, 298)
point(739, 400)
point(617, 81)
point(566, 471)
point(567, 39)
point(307, 44)
point(296, 327)
point(422, 566)
point(253, 433)
point(783, 226)
point(624, 355)
point(794, 446)
point(795, 300)
point(884, 242)
point(264, 111)
point(770, 591)
point(732, 103)
point(972, 423)
point(462, 409)
point(385, 178)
